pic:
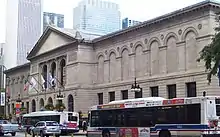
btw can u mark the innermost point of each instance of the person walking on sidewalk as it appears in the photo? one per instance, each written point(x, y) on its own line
point(84, 126)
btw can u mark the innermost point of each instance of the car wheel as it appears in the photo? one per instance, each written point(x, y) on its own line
point(41, 134)
point(32, 133)
point(13, 134)
point(57, 136)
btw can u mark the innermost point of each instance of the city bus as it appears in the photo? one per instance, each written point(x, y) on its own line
point(156, 116)
point(69, 121)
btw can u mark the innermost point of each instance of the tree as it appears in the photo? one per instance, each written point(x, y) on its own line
point(210, 54)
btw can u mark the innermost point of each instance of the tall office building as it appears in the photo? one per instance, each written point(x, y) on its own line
point(97, 16)
point(53, 19)
point(23, 29)
point(126, 22)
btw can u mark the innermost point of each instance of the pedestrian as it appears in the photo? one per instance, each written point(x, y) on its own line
point(84, 126)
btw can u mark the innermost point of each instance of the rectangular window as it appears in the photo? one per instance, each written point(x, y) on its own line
point(217, 102)
point(138, 94)
point(171, 91)
point(191, 89)
point(124, 94)
point(111, 96)
point(100, 98)
point(154, 91)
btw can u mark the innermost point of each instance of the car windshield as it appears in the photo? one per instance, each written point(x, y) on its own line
point(4, 122)
point(51, 123)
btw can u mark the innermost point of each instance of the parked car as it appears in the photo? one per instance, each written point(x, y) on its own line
point(46, 128)
point(8, 128)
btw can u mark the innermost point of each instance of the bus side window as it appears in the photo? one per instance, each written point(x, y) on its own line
point(95, 118)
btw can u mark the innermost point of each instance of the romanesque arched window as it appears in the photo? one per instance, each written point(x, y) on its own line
point(33, 103)
point(70, 103)
point(50, 100)
point(62, 72)
point(41, 103)
point(44, 74)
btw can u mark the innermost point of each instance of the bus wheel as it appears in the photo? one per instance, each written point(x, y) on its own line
point(164, 133)
point(106, 133)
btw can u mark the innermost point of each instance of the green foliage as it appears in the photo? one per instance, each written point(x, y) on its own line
point(60, 106)
point(49, 107)
point(210, 54)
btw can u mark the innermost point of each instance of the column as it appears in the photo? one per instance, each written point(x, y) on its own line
point(57, 73)
point(147, 57)
point(48, 73)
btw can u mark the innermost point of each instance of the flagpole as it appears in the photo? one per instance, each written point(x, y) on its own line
point(38, 81)
point(30, 83)
point(60, 83)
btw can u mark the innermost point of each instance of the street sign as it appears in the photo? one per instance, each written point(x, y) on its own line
point(2, 98)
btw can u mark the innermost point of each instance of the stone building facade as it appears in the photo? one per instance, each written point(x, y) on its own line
point(15, 80)
point(161, 53)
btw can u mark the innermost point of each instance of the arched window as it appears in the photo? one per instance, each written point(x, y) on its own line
point(41, 103)
point(33, 105)
point(44, 73)
point(53, 69)
point(53, 74)
point(62, 72)
point(70, 103)
point(50, 100)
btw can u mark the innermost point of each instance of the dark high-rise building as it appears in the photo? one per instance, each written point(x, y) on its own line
point(126, 22)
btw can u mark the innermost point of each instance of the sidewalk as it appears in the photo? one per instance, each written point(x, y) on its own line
point(80, 133)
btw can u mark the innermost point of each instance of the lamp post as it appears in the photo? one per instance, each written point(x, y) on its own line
point(18, 108)
point(135, 87)
point(3, 85)
point(7, 103)
point(59, 98)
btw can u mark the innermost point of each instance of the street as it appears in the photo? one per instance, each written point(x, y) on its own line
point(21, 134)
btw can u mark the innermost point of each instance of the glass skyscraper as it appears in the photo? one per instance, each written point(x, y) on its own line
point(97, 16)
point(53, 19)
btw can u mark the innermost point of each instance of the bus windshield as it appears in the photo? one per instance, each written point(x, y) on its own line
point(72, 118)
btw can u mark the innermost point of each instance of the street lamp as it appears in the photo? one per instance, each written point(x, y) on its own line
point(59, 98)
point(135, 87)
point(18, 108)
point(3, 85)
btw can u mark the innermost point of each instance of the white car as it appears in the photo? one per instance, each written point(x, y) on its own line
point(8, 128)
point(46, 128)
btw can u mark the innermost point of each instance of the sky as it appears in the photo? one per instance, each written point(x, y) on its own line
point(140, 10)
